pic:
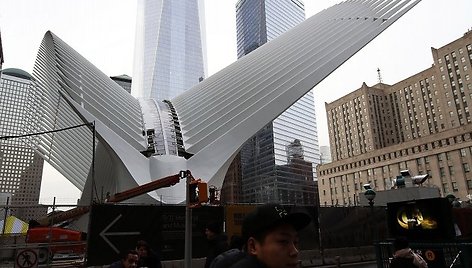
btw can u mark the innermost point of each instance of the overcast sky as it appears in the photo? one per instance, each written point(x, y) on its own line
point(103, 32)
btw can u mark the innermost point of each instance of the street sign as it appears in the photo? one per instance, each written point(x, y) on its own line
point(117, 228)
point(26, 258)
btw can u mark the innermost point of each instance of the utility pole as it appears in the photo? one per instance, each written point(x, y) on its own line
point(6, 215)
point(188, 222)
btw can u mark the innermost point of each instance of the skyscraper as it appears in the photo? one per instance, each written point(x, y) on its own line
point(278, 163)
point(20, 167)
point(169, 50)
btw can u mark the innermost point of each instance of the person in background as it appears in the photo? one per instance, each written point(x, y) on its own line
point(129, 259)
point(270, 238)
point(147, 257)
point(404, 257)
point(217, 242)
point(232, 255)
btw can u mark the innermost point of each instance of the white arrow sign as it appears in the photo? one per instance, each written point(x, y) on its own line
point(104, 234)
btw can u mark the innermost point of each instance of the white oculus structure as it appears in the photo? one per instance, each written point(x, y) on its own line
point(203, 128)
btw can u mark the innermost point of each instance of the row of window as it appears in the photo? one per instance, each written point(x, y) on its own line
point(400, 153)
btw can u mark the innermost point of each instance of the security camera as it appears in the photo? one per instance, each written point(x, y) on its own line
point(367, 186)
point(419, 179)
point(405, 173)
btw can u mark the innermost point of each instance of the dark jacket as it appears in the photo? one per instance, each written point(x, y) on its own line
point(151, 261)
point(228, 258)
point(216, 246)
point(400, 262)
point(117, 264)
point(248, 262)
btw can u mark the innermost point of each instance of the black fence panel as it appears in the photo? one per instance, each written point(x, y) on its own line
point(117, 228)
point(352, 226)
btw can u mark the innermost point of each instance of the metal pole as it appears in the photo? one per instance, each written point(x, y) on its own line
point(93, 160)
point(92, 124)
point(188, 227)
point(48, 251)
point(6, 215)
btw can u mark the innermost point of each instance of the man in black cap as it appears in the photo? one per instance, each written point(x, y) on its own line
point(270, 235)
point(217, 242)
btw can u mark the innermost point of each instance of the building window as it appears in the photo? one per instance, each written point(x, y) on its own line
point(469, 184)
point(442, 172)
point(466, 167)
point(440, 157)
point(445, 188)
point(451, 170)
point(463, 152)
point(454, 186)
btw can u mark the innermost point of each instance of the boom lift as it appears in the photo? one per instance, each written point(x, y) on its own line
point(118, 197)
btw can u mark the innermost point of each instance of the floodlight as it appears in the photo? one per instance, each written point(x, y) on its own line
point(419, 179)
point(405, 173)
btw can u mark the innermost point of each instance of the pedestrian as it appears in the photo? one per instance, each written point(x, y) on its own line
point(270, 239)
point(404, 257)
point(217, 242)
point(129, 259)
point(147, 257)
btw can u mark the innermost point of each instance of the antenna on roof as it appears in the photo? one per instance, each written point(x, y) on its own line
point(379, 76)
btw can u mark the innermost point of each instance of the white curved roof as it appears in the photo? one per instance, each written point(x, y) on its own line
point(216, 117)
point(229, 107)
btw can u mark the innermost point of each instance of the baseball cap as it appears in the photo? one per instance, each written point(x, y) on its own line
point(268, 216)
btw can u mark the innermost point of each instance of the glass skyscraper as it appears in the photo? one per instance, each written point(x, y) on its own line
point(170, 50)
point(21, 168)
point(278, 163)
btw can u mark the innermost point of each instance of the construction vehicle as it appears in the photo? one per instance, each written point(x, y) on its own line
point(56, 240)
point(72, 241)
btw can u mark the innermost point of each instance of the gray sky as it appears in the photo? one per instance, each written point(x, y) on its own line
point(103, 32)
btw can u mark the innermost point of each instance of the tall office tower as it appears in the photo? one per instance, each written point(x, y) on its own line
point(124, 81)
point(278, 163)
point(170, 48)
point(20, 167)
point(422, 124)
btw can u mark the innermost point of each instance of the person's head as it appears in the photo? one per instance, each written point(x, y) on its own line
point(142, 247)
point(400, 243)
point(130, 259)
point(270, 234)
point(212, 229)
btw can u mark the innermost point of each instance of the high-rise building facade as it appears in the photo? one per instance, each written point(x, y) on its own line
point(278, 163)
point(422, 124)
point(170, 48)
point(20, 167)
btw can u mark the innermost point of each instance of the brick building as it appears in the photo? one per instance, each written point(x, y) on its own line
point(422, 123)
